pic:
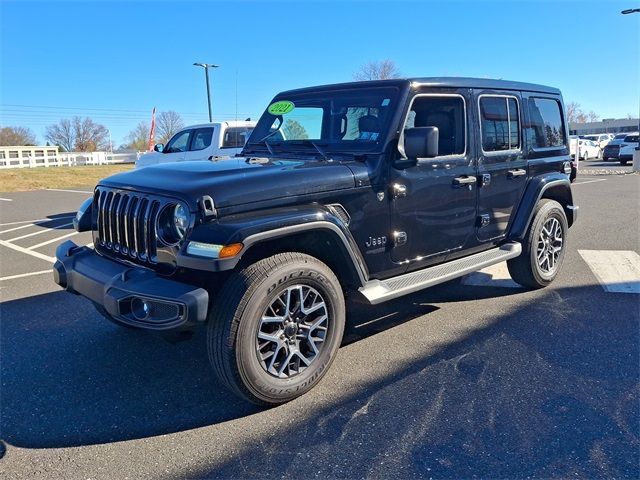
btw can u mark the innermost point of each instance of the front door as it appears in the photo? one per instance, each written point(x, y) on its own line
point(434, 200)
point(502, 167)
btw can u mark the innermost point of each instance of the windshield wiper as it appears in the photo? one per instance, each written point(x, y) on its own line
point(324, 155)
point(311, 142)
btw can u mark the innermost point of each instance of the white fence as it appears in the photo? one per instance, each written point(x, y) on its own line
point(71, 159)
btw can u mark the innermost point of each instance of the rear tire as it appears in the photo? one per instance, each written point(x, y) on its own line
point(267, 340)
point(544, 247)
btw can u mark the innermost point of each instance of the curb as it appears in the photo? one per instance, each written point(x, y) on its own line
point(602, 171)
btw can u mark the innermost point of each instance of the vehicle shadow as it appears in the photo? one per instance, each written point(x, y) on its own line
point(71, 378)
point(58, 221)
point(549, 389)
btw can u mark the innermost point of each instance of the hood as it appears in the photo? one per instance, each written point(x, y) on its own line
point(237, 180)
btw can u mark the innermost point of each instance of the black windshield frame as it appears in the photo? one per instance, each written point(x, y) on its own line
point(381, 102)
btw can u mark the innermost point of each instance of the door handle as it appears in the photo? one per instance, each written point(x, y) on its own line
point(459, 181)
point(518, 172)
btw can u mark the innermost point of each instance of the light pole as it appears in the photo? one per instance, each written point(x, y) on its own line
point(636, 152)
point(206, 67)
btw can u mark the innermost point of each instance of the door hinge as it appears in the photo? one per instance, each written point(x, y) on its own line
point(484, 220)
point(399, 238)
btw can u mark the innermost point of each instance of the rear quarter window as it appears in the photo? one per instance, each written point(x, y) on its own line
point(545, 128)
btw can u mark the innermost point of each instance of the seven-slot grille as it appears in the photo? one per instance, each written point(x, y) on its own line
point(126, 223)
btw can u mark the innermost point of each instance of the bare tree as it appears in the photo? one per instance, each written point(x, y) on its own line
point(377, 70)
point(62, 134)
point(79, 134)
point(593, 116)
point(575, 114)
point(16, 136)
point(167, 125)
point(138, 138)
point(90, 136)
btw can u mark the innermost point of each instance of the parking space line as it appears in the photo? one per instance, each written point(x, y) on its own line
point(617, 271)
point(6, 199)
point(39, 232)
point(22, 275)
point(590, 181)
point(31, 223)
point(20, 249)
point(70, 191)
point(52, 241)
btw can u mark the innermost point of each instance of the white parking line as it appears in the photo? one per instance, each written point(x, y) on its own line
point(18, 248)
point(22, 275)
point(590, 181)
point(617, 271)
point(70, 191)
point(6, 199)
point(39, 232)
point(493, 276)
point(31, 223)
point(52, 241)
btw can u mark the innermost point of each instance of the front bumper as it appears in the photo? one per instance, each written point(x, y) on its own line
point(132, 295)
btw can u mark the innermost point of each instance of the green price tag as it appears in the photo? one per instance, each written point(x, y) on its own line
point(281, 107)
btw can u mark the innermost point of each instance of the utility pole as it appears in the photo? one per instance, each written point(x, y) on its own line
point(206, 67)
point(636, 152)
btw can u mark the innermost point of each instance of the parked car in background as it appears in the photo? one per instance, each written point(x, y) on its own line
point(630, 143)
point(602, 139)
point(207, 141)
point(612, 149)
point(586, 148)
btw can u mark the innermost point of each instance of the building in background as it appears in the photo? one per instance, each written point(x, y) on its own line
point(608, 125)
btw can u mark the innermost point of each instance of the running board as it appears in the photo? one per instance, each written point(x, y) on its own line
point(378, 291)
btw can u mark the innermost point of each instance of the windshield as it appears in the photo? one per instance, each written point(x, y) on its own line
point(353, 119)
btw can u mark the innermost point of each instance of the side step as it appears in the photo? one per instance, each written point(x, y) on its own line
point(378, 291)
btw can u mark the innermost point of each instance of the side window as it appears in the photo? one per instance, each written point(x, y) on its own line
point(236, 137)
point(500, 123)
point(201, 139)
point(178, 143)
point(447, 113)
point(545, 127)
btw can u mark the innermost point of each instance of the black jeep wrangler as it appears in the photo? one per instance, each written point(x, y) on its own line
point(377, 188)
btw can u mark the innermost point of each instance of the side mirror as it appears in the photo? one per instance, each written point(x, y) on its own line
point(158, 147)
point(421, 142)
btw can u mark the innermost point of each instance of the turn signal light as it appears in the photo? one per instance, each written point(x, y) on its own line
point(230, 250)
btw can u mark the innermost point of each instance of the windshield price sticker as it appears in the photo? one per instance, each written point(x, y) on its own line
point(281, 107)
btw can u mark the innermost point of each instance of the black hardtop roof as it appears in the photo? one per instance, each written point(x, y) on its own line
point(462, 82)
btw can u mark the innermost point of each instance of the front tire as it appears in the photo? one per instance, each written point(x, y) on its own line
point(276, 328)
point(544, 247)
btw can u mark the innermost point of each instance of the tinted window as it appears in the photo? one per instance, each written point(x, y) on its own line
point(445, 113)
point(631, 138)
point(545, 127)
point(201, 139)
point(500, 123)
point(178, 143)
point(236, 137)
point(620, 136)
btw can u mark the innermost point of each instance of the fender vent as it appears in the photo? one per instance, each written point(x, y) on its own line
point(340, 212)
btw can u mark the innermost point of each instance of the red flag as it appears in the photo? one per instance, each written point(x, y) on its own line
point(152, 133)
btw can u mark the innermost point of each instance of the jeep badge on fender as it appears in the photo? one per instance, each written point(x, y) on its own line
point(261, 248)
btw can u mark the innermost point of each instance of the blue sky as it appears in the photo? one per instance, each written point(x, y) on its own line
point(115, 61)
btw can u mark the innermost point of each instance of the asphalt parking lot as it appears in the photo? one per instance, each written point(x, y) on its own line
point(478, 379)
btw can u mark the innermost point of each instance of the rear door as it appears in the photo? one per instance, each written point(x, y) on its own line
point(434, 200)
point(502, 166)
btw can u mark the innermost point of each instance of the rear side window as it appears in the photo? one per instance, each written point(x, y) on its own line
point(236, 137)
point(545, 128)
point(631, 138)
point(447, 113)
point(201, 139)
point(500, 123)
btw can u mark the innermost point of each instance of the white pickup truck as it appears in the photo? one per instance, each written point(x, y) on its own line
point(206, 141)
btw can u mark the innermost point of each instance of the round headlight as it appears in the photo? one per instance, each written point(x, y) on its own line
point(173, 222)
point(180, 220)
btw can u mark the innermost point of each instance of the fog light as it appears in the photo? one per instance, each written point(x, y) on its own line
point(140, 309)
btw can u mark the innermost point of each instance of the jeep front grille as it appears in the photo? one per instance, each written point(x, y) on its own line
point(126, 223)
